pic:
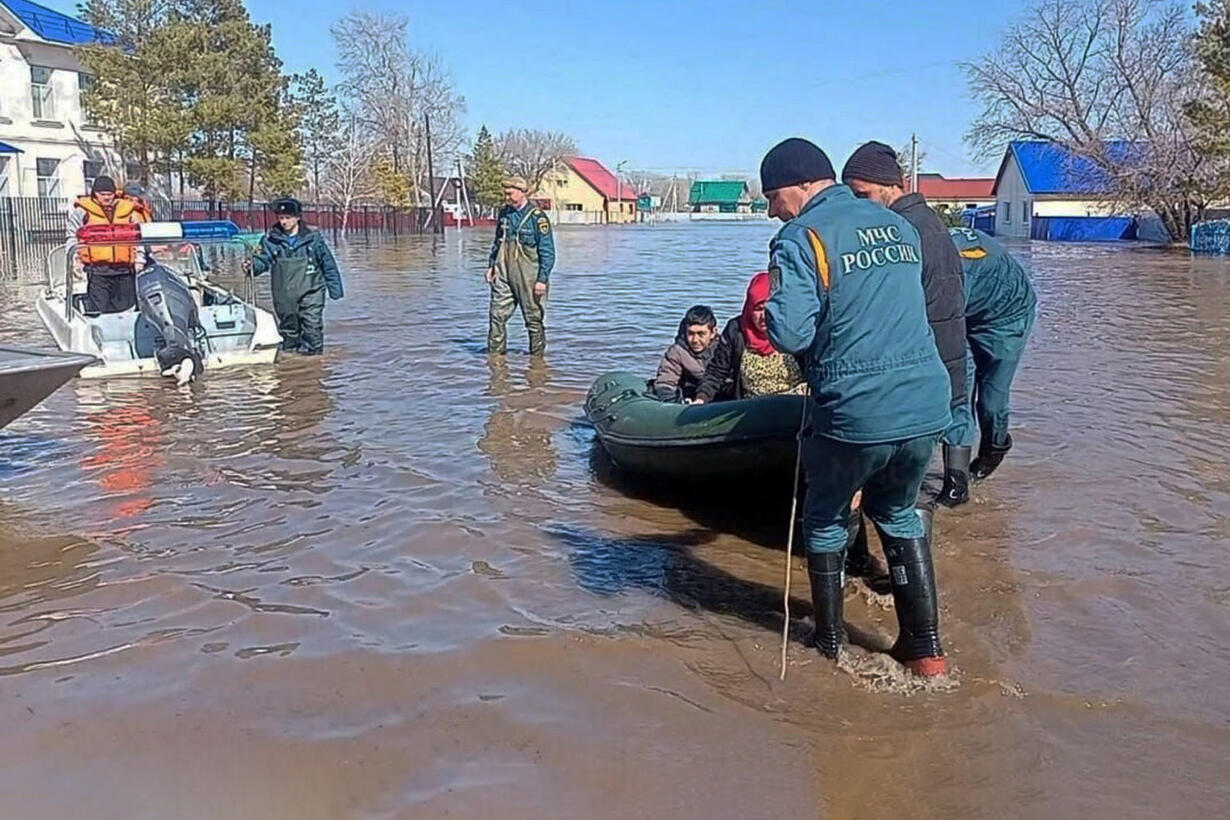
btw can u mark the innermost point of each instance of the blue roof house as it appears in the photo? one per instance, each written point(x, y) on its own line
point(47, 148)
point(1042, 191)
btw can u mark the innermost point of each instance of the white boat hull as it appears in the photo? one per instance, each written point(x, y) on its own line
point(237, 333)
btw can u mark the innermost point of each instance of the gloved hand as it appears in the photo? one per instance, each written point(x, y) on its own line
point(247, 267)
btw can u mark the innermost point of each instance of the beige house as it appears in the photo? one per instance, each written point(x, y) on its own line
point(581, 191)
point(47, 148)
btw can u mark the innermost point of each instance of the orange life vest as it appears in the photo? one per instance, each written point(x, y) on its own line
point(123, 212)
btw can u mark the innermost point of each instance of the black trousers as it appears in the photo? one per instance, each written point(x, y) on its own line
point(110, 288)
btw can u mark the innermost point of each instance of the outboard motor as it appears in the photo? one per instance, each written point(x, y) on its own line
point(165, 300)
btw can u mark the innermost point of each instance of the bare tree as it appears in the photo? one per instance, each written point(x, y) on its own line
point(348, 174)
point(532, 154)
point(1108, 81)
point(391, 86)
point(905, 161)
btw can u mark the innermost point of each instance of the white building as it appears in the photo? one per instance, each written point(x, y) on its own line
point(1044, 192)
point(47, 149)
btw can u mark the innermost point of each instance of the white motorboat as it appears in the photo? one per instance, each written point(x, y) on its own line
point(182, 324)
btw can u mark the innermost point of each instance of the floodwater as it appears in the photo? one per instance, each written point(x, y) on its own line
point(395, 582)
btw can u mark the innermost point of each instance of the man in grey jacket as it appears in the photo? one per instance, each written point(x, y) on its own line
point(683, 364)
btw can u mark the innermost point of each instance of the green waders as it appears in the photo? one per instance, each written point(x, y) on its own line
point(516, 271)
point(299, 301)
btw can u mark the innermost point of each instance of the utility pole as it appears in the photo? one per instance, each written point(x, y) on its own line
point(914, 163)
point(619, 189)
point(437, 217)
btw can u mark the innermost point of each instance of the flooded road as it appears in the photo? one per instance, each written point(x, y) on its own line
point(391, 582)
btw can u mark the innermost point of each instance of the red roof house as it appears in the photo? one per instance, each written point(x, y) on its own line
point(602, 180)
point(957, 192)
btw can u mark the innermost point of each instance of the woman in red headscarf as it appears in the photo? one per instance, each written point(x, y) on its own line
point(746, 363)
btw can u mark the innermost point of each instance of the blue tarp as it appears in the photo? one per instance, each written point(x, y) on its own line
point(5, 148)
point(1083, 228)
point(1211, 237)
point(56, 27)
point(982, 219)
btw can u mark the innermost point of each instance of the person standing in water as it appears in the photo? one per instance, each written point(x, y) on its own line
point(846, 292)
point(519, 268)
point(1000, 306)
point(301, 271)
point(873, 172)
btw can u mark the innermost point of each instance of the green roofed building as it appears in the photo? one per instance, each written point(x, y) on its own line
point(719, 196)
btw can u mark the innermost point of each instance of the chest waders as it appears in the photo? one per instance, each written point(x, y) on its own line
point(298, 289)
point(516, 271)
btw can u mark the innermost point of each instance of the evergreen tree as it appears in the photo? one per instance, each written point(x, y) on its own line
point(1210, 111)
point(487, 171)
point(319, 124)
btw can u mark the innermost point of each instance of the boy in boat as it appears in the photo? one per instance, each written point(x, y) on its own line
point(847, 293)
point(683, 364)
point(301, 271)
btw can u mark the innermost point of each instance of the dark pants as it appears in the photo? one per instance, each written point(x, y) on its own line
point(110, 288)
point(301, 320)
point(997, 353)
point(889, 475)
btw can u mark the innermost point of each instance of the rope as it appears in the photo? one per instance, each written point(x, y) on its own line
point(794, 506)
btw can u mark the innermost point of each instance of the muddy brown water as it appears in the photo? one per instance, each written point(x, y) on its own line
point(395, 582)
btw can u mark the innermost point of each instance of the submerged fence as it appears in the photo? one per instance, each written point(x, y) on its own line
point(31, 227)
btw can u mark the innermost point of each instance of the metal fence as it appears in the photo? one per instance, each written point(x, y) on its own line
point(31, 227)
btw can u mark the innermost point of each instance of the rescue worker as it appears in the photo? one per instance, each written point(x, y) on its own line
point(873, 172)
point(519, 268)
point(847, 294)
point(1000, 306)
point(301, 270)
point(110, 272)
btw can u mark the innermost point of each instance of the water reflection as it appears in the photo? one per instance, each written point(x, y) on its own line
point(516, 440)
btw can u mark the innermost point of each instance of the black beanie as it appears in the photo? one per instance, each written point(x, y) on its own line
point(287, 206)
point(103, 185)
point(793, 162)
point(873, 162)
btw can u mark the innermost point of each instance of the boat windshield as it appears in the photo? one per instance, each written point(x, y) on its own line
point(216, 259)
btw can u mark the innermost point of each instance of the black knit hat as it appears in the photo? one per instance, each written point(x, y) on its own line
point(287, 206)
point(873, 162)
point(103, 185)
point(793, 162)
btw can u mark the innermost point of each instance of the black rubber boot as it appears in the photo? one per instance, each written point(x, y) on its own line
point(824, 569)
point(860, 563)
point(956, 476)
point(989, 457)
point(918, 613)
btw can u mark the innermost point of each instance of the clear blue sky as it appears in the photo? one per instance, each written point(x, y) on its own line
point(685, 84)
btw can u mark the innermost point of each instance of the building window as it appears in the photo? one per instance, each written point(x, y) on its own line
point(1025, 212)
point(91, 169)
point(41, 93)
point(572, 206)
point(48, 178)
point(1007, 213)
point(132, 172)
point(84, 83)
point(4, 176)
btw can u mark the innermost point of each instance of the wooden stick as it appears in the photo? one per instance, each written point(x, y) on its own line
point(794, 506)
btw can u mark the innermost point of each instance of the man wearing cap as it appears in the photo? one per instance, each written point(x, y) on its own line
point(301, 271)
point(873, 172)
point(847, 294)
point(110, 274)
point(519, 268)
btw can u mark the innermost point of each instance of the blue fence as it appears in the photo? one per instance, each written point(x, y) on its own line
point(1211, 237)
point(1083, 228)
